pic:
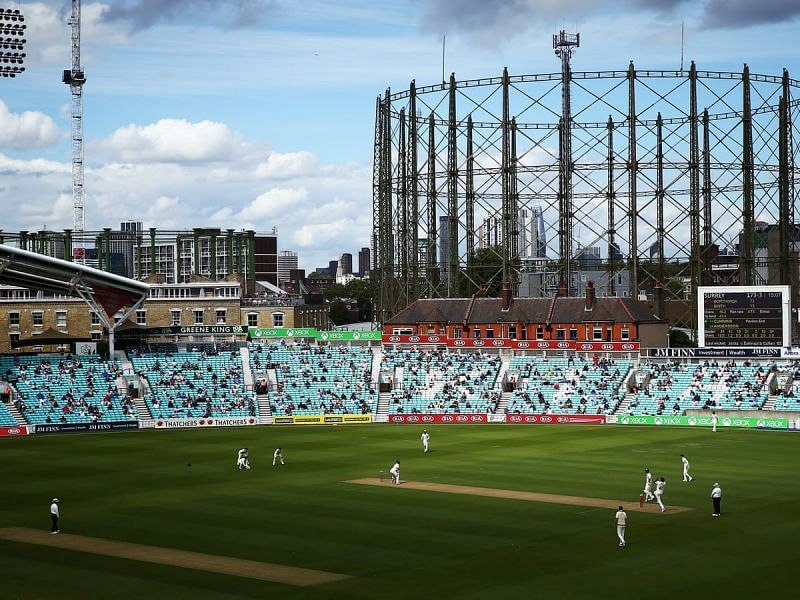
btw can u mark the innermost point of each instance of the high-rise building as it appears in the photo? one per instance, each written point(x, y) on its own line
point(532, 237)
point(490, 232)
point(444, 241)
point(333, 268)
point(287, 260)
point(346, 264)
point(364, 262)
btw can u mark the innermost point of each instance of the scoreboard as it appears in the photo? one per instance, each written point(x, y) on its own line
point(744, 316)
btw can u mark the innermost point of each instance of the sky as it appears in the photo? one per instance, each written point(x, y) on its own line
point(259, 114)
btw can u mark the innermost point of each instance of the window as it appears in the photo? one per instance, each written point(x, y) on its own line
point(38, 318)
point(252, 319)
point(13, 319)
point(141, 317)
point(95, 318)
point(95, 335)
point(13, 337)
point(540, 333)
point(175, 316)
point(277, 319)
point(512, 332)
point(61, 318)
point(477, 333)
point(490, 333)
point(626, 334)
point(221, 316)
point(457, 333)
point(559, 334)
point(198, 316)
point(597, 333)
point(573, 334)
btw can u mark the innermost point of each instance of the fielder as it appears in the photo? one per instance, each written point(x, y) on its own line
point(648, 486)
point(243, 461)
point(277, 456)
point(395, 472)
point(621, 518)
point(425, 437)
point(660, 483)
point(686, 476)
point(714, 419)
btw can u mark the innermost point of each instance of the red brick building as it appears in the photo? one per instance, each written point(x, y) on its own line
point(588, 319)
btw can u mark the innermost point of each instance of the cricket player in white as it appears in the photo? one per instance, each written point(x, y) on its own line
point(714, 419)
point(660, 483)
point(686, 476)
point(277, 456)
point(621, 518)
point(243, 462)
point(648, 486)
point(425, 437)
point(395, 472)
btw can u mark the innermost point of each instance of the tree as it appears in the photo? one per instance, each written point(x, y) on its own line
point(363, 292)
point(339, 313)
point(486, 268)
point(333, 291)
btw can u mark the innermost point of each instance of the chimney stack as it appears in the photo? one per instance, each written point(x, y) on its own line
point(505, 297)
point(658, 292)
point(590, 296)
point(562, 290)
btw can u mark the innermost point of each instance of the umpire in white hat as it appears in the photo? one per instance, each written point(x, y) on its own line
point(54, 514)
point(716, 499)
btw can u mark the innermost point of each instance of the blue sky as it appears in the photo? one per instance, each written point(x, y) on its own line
point(259, 113)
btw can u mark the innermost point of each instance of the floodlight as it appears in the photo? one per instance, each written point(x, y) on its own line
point(12, 25)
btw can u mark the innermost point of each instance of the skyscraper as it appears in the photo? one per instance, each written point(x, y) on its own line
point(532, 236)
point(364, 262)
point(287, 260)
point(444, 241)
point(346, 263)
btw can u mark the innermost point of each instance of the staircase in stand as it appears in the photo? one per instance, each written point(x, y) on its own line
point(16, 414)
point(382, 414)
point(141, 408)
point(264, 410)
point(502, 407)
point(622, 409)
point(247, 372)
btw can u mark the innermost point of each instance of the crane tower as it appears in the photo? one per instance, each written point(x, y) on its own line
point(75, 78)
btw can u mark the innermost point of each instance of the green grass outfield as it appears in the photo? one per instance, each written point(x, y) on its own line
point(398, 543)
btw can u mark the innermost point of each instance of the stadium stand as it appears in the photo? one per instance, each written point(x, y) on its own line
point(71, 389)
point(570, 385)
point(438, 381)
point(314, 380)
point(6, 418)
point(676, 387)
point(195, 384)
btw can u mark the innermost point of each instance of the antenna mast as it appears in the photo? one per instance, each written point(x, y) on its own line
point(75, 78)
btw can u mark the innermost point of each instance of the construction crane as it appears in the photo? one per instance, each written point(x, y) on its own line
point(75, 78)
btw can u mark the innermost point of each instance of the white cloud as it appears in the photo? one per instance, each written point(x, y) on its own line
point(173, 140)
point(284, 166)
point(174, 174)
point(29, 129)
point(274, 204)
point(48, 34)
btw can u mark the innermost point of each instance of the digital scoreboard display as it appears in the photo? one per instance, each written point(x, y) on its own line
point(743, 316)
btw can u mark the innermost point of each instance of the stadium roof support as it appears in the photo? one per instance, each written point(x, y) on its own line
point(105, 293)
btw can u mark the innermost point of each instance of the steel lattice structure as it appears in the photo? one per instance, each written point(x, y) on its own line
point(660, 170)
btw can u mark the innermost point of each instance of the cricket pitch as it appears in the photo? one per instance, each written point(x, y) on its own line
point(469, 490)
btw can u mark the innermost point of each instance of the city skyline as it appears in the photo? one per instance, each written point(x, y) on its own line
point(277, 129)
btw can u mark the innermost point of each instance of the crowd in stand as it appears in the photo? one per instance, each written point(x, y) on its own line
point(438, 381)
point(677, 387)
point(316, 379)
point(195, 384)
point(68, 389)
point(567, 386)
